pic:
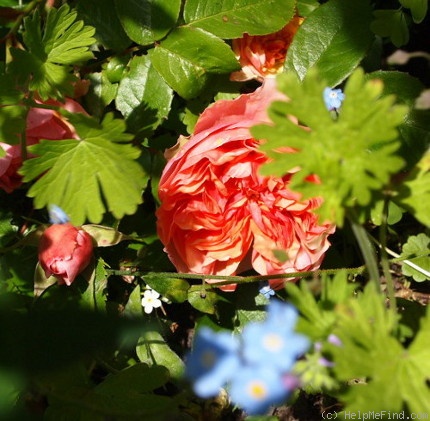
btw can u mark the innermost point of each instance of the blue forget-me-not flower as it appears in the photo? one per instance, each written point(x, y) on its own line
point(212, 362)
point(255, 368)
point(274, 339)
point(266, 290)
point(333, 98)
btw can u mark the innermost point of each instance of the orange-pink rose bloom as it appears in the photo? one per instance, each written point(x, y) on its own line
point(219, 216)
point(41, 124)
point(263, 56)
point(65, 251)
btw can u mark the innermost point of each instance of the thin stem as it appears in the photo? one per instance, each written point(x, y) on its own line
point(227, 280)
point(384, 257)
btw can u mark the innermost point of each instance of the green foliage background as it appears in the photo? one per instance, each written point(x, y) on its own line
point(88, 351)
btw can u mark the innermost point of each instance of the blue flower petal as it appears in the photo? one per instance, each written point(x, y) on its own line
point(333, 98)
point(256, 389)
point(212, 362)
point(57, 215)
point(266, 290)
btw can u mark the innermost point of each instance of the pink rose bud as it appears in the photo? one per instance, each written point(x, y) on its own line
point(65, 251)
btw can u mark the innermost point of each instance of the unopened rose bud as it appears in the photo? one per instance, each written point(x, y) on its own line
point(65, 251)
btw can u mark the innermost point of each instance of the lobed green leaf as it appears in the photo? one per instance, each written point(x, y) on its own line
point(353, 156)
point(46, 65)
point(391, 23)
point(414, 193)
point(89, 176)
point(417, 251)
point(418, 8)
point(370, 351)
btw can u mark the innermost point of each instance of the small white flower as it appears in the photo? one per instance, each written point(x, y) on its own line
point(150, 300)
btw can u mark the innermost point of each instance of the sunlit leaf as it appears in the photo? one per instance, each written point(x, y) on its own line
point(353, 155)
point(63, 42)
point(175, 290)
point(414, 192)
point(370, 351)
point(230, 19)
point(188, 55)
point(334, 38)
point(417, 251)
point(89, 176)
point(204, 301)
point(143, 97)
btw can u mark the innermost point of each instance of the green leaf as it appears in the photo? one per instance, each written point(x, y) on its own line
point(391, 23)
point(12, 124)
point(335, 38)
point(231, 18)
point(154, 351)
point(47, 65)
point(89, 176)
point(414, 192)
point(418, 8)
point(11, 386)
point(133, 309)
point(100, 93)
point(95, 295)
point(143, 97)
point(65, 40)
point(317, 318)
point(140, 377)
point(104, 236)
point(306, 7)
point(174, 289)
point(103, 16)
point(417, 245)
point(370, 351)
point(41, 282)
point(395, 213)
point(147, 21)
point(17, 270)
point(204, 301)
point(415, 129)
point(404, 86)
point(12, 114)
point(353, 156)
point(186, 57)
